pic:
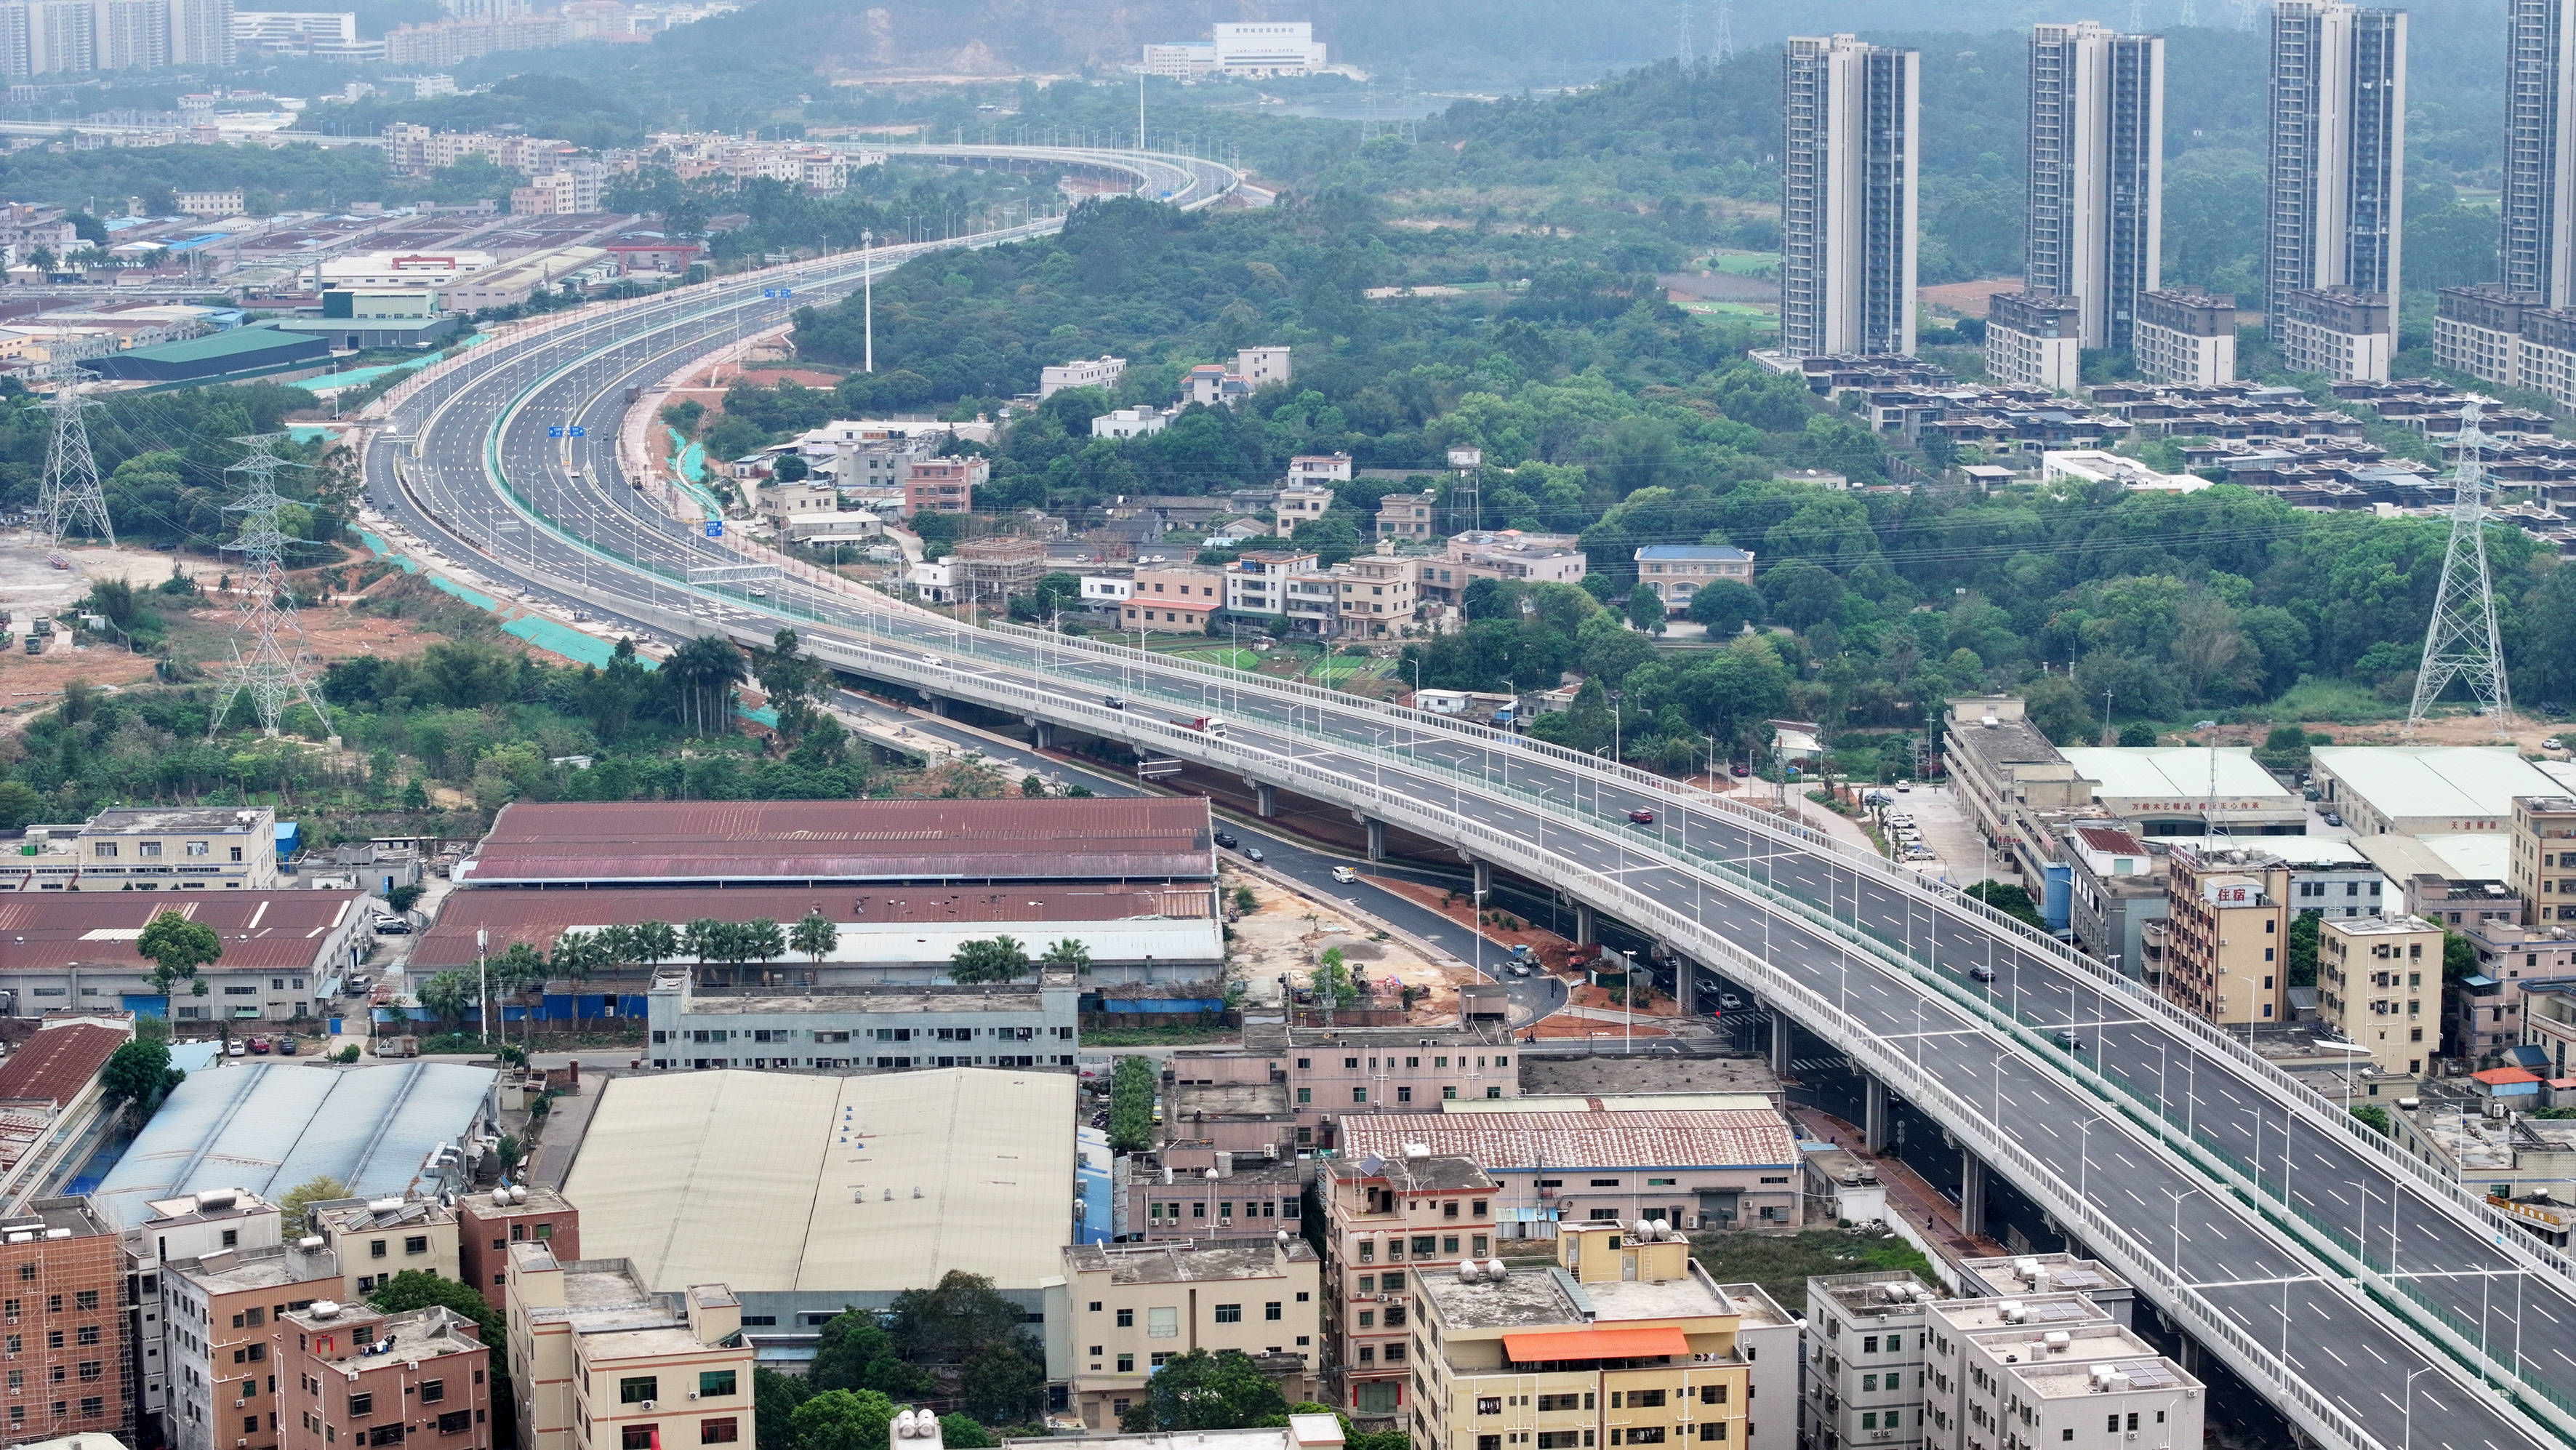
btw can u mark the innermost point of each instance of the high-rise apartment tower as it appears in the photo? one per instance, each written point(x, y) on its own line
point(1847, 219)
point(2096, 209)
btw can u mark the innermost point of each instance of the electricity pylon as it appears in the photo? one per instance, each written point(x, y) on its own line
point(71, 495)
point(1721, 46)
point(2462, 641)
point(269, 660)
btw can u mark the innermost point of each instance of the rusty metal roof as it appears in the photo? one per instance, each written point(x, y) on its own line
point(1132, 839)
point(1505, 1142)
point(56, 1064)
point(262, 930)
point(538, 917)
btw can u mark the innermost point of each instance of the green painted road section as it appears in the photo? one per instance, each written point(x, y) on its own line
point(689, 461)
point(383, 550)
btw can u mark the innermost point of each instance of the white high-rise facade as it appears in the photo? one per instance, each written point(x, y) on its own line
point(2539, 202)
point(2096, 210)
point(1848, 210)
point(2334, 212)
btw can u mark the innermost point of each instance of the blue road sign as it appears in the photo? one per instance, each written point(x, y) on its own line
point(778, 294)
point(715, 528)
point(566, 430)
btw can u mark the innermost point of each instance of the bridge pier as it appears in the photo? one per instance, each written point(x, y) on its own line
point(1874, 1125)
point(1041, 732)
point(1972, 1194)
point(1265, 800)
point(1779, 1043)
point(1686, 985)
point(1484, 878)
point(1377, 840)
point(1587, 930)
point(935, 704)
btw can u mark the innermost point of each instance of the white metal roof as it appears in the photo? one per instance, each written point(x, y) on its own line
point(2404, 782)
point(2176, 773)
point(768, 1182)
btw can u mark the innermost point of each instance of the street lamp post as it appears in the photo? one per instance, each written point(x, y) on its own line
point(868, 281)
point(1628, 994)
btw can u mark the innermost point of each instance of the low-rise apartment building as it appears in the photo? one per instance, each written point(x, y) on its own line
point(600, 1362)
point(70, 1331)
point(178, 848)
point(488, 1223)
point(2540, 866)
point(2183, 336)
point(943, 485)
point(1865, 1353)
point(1406, 516)
point(1505, 555)
point(1675, 573)
point(1123, 1311)
point(2348, 336)
point(217, 1315)
point(1303, 501)
point(1173, 598)
point(379, 1239)
point(2378, 983)
point(2035, 340)
point(1103, 371)
point(1385, 1221)
point(1379, 593)
point(1257, 581)
point(1188, 1190)
point(2050, 1370)
point(419, 1379)
point(2227, 939)
point(1319, 468)
point(2482, 1017)
point(2021, 1275)
point(1625, 1341)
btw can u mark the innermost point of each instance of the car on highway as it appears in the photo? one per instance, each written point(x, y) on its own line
point(934, 661)
point(1113, 702)
point(1253, 853)
point(1641, 817)
point(1228, 840)
point(1728, 1001)
point(2068, 1038)
point(1982, 972)
point(1345, 875)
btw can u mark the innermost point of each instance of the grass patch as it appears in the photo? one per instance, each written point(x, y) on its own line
point(1744, 264)
point(2335, 700)
point(1782, 1263)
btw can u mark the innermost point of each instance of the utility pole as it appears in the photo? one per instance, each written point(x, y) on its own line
point(1140, 110)
point(265, 665)
point(2461, 641)
point(71, 495)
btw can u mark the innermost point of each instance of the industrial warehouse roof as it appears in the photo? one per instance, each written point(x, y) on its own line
point(261, 930)
point(2418, 782)
point(857, 1184)
point(270, 1126)
point(2176, 773)
point(1506, 1142)
point(238, 349)
point(2467, 856)
point(1143, 838)
point(59, 1062)
point(538, 917)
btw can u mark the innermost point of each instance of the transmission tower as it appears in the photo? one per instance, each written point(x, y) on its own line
point(1688, 59)
point(2462, 641)
point(268, 640)
point(2190, 18)
point(2137, 16)
point(2247, 12)
point(71, 495)
point(1721, 46)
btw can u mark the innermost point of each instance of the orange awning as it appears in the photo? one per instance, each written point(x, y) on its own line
point(1595, 1344)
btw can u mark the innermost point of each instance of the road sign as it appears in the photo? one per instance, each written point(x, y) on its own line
point(778, 294)
point(715, 528)
point(567, 430)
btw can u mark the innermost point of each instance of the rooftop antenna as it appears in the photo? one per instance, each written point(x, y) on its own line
point(265, 665)
point(2462, 641)
point(71, 496)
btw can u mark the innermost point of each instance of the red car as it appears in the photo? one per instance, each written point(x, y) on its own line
point(1641, 817)
point(259, 1045)
point(1739, 771)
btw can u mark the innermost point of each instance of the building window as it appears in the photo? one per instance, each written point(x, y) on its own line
point(715, 1382)
point(361, 1404)
point(719, 1432)
point(637, 1389)
point(432, 1391)
point(1229, 1314)
point(636, 1437)
point(1163, 1323)
point(1126, 1318)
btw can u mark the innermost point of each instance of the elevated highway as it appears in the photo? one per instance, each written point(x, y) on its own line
point(2371, 1300)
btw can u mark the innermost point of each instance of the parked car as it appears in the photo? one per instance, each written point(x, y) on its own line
point(235, 1049)
point(1252, 853)
point(1739, 771)
point(1641, 817)
point(392, 926)
point(259, 1045)
point(286, 1047)
point(2553, 743)
point(2332, 819)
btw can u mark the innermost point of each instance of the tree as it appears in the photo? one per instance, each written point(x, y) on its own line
point(1332, 980)
point(774, 1398)
point(2377, 1117)
point(760, 941)
point(2011, 900)
point(786, 676)
point(140, 1075)
point(705, 939)
point(703, 672)
point(421, 1289)
point(1646, 610)
point(1005, 1382)
point(575, 956)
point(1203, 1391)
point(1067, 955)
point(299, 1200)
point(854, 1352)
point(1726, 606)
point(177, 948)
point(521, 969)
point(446, 995)
point(2137, 734)
point(653, 942)
point(2301, 960)
point(843, 1420)
point(988, 959)
point(815, 935)
point(1131, 1104)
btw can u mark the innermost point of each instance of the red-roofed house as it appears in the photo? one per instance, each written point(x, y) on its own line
point(2509, 1083)
point(284, 951)
point(50, 1100)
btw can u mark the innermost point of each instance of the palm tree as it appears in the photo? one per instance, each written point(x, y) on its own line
point(1067, 955)
point(576, 955)
point(521, 969)
point(763, 942)
point(612, 949)
point(705, 939)
point(816, 935)
point(653, 942)
point(704, 671)
point(996, 959)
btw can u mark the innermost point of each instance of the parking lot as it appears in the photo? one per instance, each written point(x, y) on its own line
point(1944, 842)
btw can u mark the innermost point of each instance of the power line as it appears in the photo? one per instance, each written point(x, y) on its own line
point(265, 664)
point(71, 491)
point(2461, 641)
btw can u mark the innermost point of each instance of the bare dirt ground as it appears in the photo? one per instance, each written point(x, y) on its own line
point(1285, 933)
point(1968, 299)
point(2524, 733)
